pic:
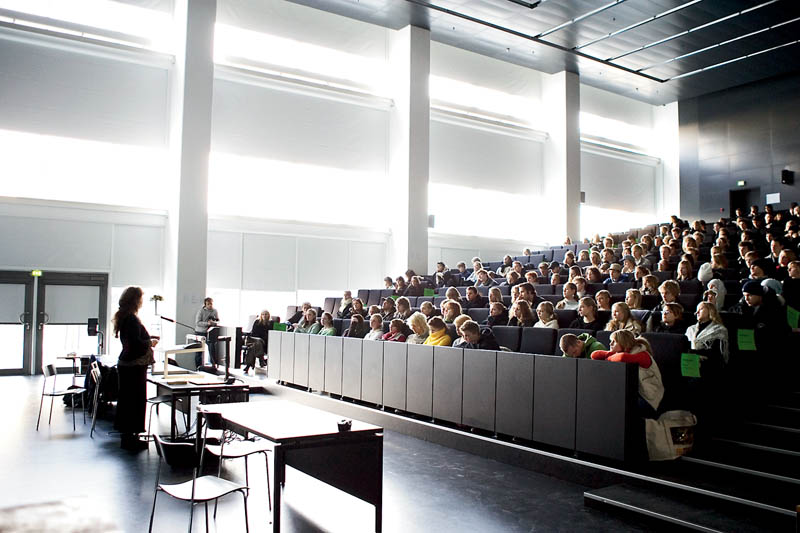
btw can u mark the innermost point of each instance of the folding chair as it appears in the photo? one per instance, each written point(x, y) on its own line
point(50, 371)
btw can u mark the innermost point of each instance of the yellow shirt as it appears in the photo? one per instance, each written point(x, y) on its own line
point(439, 339)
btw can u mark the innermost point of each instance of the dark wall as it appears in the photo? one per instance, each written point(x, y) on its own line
point(750, 133)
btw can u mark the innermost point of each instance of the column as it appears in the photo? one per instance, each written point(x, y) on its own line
point(190, 142)
point(409, 146)
point(562, 156)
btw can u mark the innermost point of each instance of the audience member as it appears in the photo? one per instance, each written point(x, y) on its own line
point(671, 319)
point(376, 328)
point(474, 299)
point(603, 299)
point(498, 315)
point(547, 316)
point(570, 301)
point(438, 335)
point(627, 348)
point(587, 315)
point(388, 309)
point(345, 306)
point(308, 324)
point(523, 315)
point(358, 308)
point(579, 346)
point(358, 328)
point(326, 325)
point(403, 308)
point(299, 314)
point(419, 325)
point(476, 338)
point(450, 310)
point(395, 333)
point(494, 295)
point(633, 297)
point(621, 318)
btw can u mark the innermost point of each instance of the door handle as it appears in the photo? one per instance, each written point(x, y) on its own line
point(23, 319)
point(44, 318)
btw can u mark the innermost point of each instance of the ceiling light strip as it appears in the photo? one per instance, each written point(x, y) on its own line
point(690, 30)
point(639, 24)
point(491, 25)
point(728, 62)
point(580, 18)
point(528, 4)
point(717, 45)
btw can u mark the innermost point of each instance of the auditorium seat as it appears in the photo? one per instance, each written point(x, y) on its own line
point(508, 336)
point(604, 337)
point(640, 314)
point(385, 293)
point(437, 301)
point(421, 299)
point(507, 301)
point(538, 340)
point(543, 289)
point(649, 301)
point(604, 317)
point(328, 305)
point(664, 276)
point(363, 295)
point(341, 325)
point(563, 331)
point(547, 255)
point(505, 290)
point(374, 297)
point(594, 288)
point(412, 300)
point(479, 315)
point(667, 350)
point(691, 286)
point(558, 255)
point(689, 302)
point(565, 317)
point(620, 288)
point(552, 298)
point(536, 259)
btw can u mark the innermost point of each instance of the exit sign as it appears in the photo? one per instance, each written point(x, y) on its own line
point(36, 273)
point(741, 183)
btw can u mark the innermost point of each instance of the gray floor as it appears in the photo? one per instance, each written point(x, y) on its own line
point(427, 487)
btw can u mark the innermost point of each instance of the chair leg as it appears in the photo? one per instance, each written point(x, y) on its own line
point(206, 506)
point(269, 492)
point(50, 420)
point(246, 520)
point(73, 412)
point(41, 403)
point(191, 516)
point(153, 511)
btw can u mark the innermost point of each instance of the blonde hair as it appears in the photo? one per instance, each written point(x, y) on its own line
point(637, 298)
point(453, 294)
point(547, 309)
point(713, 312)
point(418, 319)
point(627, 341)
point(459, 320)
point(403, 300)
point(494, 291)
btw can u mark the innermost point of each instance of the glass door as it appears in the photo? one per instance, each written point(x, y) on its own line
point(66, 302)
point(16, 326)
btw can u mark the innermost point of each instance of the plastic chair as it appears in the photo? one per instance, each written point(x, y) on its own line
point(201, 489)
point(50, 371)
point(156, 401)
point(233, 448)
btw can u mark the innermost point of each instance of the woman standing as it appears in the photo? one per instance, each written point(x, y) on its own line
point(136, 354)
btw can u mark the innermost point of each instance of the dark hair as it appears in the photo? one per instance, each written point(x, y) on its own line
point(128, 305)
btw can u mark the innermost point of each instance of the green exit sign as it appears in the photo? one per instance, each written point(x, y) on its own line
point(36, 273)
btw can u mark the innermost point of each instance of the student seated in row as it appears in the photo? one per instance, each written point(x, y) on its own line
point(587, 315)
point(633, 297)
point(621, 318)
point(308, 324)
point(403, 308)
point(376, 328)
point(358, 327)
point(438, 336)
point(477, 339)
point(523, 315)
point(603, 299)
point(498, 315)
point(627, 348)
point(570, 301)
point(419, 325)
point(547, 316)
point(326, 325)
point(345, 306)
point(579, 346)
point(671, 319)
point(395, 333)
point(428, 309)
point(474, 299)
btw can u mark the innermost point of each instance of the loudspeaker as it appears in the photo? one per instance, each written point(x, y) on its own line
point(91, 327)
point(787, 177)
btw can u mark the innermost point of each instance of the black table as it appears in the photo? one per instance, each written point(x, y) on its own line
point(309, 440)
point(186, 384)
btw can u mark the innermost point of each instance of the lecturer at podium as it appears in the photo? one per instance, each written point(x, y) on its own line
point(205, 324)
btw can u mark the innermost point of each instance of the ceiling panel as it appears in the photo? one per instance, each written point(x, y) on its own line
point(545, 38)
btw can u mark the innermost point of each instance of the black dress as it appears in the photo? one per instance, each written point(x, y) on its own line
point(132, 401)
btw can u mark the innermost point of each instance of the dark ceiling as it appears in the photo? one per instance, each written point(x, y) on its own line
point(657, 51)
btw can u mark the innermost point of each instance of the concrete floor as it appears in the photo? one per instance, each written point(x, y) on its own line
point(427, 487)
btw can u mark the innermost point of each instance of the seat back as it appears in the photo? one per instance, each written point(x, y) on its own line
point(177, 454)
point(507, 336)
point(49, 370)
point(538, 340)
point(565, 317)
point(478, 314)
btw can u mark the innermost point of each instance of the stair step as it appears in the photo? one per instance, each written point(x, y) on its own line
point(675, 509)
point(770, 435)
point(751, 456)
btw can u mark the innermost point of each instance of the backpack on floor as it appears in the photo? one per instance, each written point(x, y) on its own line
point(670, 436)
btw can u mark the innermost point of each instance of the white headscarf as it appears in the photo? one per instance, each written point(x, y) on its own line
point(718, 286)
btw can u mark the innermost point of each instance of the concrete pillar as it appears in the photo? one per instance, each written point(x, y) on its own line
point(409, 150)
point(561, 101)
point(190, 142)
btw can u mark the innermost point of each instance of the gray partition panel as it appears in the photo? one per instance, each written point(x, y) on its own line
point(372, 371)
point(301, 343)
point(316, 362)
point(514, 412)
point(419, 385)
point(287, 357)
point(274, 355)
point(448, 366)
point(607, 401)
point(333, 365)
point(395, 355)
point(351, 367)
point(480, 377)
point(554, 384)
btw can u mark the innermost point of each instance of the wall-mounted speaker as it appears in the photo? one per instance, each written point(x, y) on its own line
point(787, 177)
point(431, 221)
point(91, 327)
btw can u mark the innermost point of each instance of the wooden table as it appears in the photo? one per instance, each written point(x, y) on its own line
point(186, 384)
point(309, 440)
